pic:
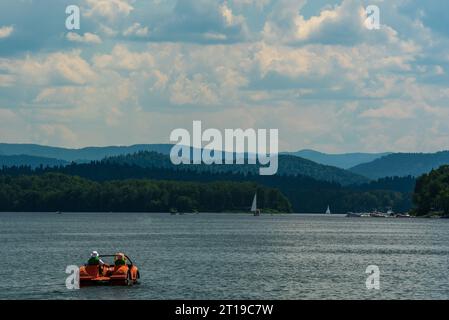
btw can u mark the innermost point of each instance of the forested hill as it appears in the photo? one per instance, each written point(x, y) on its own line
point(432, 192)
point(401, 184)
point(288, 165)
point(304, 193)
point(402, 164)
point(52, 192)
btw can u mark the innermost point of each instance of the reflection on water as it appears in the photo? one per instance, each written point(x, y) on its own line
point(217, 256)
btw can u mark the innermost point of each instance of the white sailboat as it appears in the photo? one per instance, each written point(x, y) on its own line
point(254, 209)
point(328, 210)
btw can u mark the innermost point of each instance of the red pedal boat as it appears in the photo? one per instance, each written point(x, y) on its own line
point(125, 274)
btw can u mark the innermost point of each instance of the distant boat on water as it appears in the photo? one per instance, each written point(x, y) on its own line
point(328, 210)
point(403, 215)
point(377, 214)
point(353, 215)
point(254, 210)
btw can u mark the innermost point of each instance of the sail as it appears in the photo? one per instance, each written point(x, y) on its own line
point(328, 210)
point(254, 206)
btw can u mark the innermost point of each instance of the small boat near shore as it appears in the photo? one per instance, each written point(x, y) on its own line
point(402, 215)
point(358, 215)
point(377, 214)
point(353, 215)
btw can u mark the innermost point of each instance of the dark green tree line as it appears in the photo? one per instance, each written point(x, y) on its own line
point(432, 192)
point(60, 192)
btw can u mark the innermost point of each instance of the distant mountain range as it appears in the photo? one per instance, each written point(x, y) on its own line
point(348, 168)
point(78, 155)
point(402, 164)
point(32, 161)
point(343, 160)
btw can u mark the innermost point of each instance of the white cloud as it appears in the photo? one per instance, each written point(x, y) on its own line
point(340, 25)
point(53, 68)
point(193, 91)
point(229, 18)
point(389, 111)
point(10, 121)
point(86, 38)
point(199, 21)
point(57, 133)
point(439, 70)
point(136, 30)
point(215, 36)
point(260, 4)
point(5, 32)
point(110, 9)
point(108, 31)
point(6, 80)
point(122, 58)
point(323, 78)
point(161, 81)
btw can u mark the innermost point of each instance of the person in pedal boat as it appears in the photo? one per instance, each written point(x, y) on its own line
point(120, 259)
point(94, 259)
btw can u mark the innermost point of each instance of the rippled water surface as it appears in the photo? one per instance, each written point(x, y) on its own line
point(227, 256)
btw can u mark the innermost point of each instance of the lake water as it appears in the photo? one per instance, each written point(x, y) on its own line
point(227, 256)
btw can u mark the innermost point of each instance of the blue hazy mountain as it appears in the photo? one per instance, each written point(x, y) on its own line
point(402, 164)
point(156, 155)
point(343, 160)
point(31, 161)
point(79, 155)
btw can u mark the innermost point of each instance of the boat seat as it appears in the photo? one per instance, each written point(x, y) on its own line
point(93, 269)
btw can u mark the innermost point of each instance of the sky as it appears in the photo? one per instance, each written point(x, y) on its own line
point(137, 69)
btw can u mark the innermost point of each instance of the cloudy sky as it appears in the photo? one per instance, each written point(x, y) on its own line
point(137, 69)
